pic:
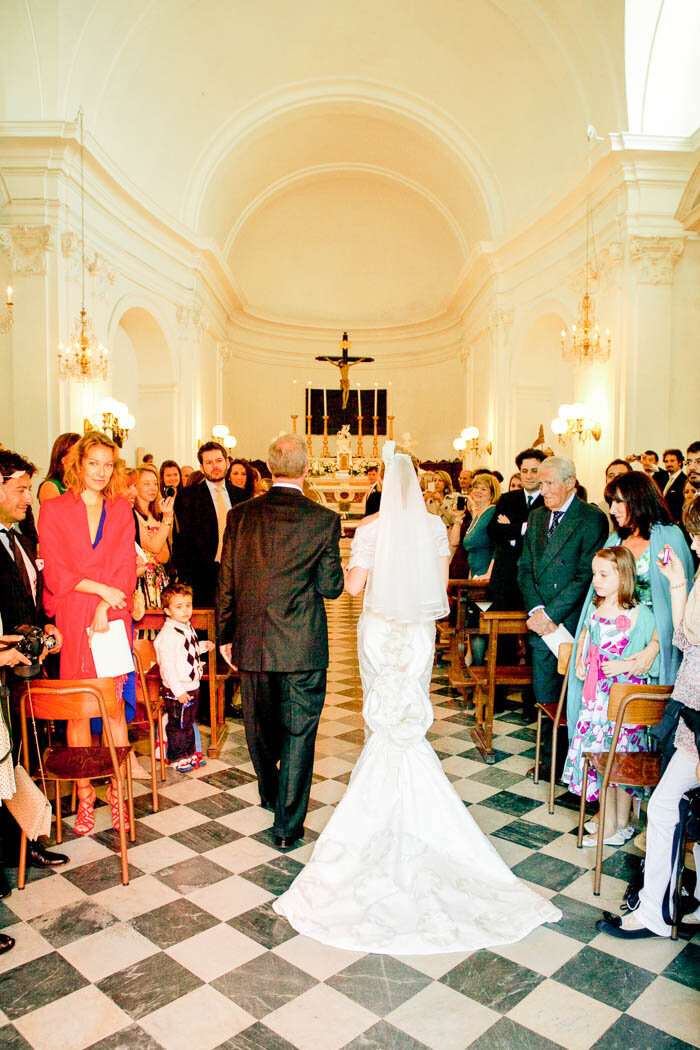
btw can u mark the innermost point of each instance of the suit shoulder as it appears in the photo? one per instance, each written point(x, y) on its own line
point(594, 513)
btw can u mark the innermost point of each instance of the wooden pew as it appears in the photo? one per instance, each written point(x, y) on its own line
point(462, 591)
point(486, 677)
point(216, 674)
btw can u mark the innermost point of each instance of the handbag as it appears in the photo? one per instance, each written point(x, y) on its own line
point(29, 805)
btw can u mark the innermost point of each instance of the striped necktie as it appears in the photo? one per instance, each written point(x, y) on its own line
point(557, 515)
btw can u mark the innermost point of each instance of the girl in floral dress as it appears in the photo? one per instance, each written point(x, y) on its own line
point(617, 626)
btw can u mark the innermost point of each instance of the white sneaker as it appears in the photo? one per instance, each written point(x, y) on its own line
point(621, 836)
point(591, 826)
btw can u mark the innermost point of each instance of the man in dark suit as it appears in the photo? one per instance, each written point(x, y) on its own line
point(673, 489)
point(650, 462)
point(280, 560)
point(20, 604)
point(554, 570)
point(507, 529)
point(200, 512)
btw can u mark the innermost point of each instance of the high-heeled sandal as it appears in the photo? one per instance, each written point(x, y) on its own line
point(113, 802)
point(85, 817)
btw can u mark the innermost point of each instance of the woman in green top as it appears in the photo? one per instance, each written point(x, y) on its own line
point(53, 485)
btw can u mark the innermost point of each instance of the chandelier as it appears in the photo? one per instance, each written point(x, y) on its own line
point(7, 317)
point(220, 433)
point(468, 441)
point(572, 422)
point(112, 417)
point(83, 358)
point(585, 341)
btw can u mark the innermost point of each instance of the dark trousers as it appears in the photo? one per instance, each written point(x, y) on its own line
point(281, 711)
point(180, 729)
point(546, 685)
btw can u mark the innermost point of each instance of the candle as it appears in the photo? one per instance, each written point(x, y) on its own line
point(375, 398)
point(388, 400)
point(294, 397)
point(325, 406)
point(359, 401)
point(9, 295)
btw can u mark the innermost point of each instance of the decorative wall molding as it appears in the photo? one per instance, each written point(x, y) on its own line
point(191, 319)
point(500, 321)
point(27, 248)
point(103, 272)
point(224, 351)
point(657, 257)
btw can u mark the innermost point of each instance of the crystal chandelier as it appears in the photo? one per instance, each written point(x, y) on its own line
point(83, 358)
point(7, 317)
point(585, 341)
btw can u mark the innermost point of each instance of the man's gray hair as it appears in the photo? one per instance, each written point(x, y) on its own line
point(287, 456)
point(562, 464)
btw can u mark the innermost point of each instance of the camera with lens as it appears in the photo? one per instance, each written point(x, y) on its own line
point(32, 645)
point(169, 491)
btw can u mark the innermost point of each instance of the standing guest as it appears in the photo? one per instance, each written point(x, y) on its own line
point(87, 543)
point(612, 471)
point(372, 477)
point(554, 569)
point(242, 476)
point(683, 771)
point(21, 592)
point(170, 477)
point(673, 489)
point(650, 465)
point(148, 458)
point(280, 560)
point(643, 525)
point(194, 478)
point(478, 544)
point(464, 480)
point(185, 472)
point(515, 484)
point(53, 484)
point(153, 518)
point(201, 511)
point(178, 650)
point(692, 464)
point(373, 500)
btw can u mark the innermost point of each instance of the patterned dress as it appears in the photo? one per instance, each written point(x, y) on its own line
point(607, 640)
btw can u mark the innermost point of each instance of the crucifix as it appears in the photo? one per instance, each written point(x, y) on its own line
point(344, 364)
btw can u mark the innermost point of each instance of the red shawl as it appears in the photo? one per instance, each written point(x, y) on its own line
point(69, 557)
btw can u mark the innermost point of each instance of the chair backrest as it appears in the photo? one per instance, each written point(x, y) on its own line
point(145, 652)
point(69, 698)
point(637, 705)
point(564, 657)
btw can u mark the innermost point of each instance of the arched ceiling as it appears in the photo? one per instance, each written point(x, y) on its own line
point(340, 157)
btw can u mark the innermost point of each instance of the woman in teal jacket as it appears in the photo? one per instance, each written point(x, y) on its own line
point(643, 525)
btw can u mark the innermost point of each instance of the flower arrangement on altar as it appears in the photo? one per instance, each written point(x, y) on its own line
point(324, 466)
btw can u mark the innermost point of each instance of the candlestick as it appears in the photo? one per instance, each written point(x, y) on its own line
point(360, 449)
point(375, 399)
point(359, 401)
point(308, 435)
point(9, 295)
point(391, 428)
point(294, 422)
point(388, 400)
point(294, 396)
point(375, 446)
point(325, 451)
point(325, 406)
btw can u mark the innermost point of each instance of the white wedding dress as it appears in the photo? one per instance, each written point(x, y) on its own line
point(401, 867)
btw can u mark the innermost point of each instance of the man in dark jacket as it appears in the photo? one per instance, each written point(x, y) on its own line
point(280, 559)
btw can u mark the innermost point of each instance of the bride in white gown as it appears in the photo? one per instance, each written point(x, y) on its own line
point(402, 867)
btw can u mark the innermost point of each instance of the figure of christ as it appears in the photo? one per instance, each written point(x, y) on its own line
point(344, 364)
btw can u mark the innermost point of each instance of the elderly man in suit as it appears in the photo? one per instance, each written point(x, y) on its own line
point(280, 559)
point(20, 604)
point(554, 569)
point(200, 512)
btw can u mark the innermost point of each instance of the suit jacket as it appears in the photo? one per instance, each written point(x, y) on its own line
point(15, 606)
point(557, 574)
point(281, 558)
point(197, 538)
point(674, 497)
point(503, 586)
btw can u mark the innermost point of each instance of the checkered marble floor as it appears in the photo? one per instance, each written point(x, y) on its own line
point(190, 955)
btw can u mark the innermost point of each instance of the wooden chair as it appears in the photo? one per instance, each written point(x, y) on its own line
point(149, 708)
point(553, 712)
point(462, 592)
point(629, 704)
point(487, 676)
point(49, 699)
point(216, 673)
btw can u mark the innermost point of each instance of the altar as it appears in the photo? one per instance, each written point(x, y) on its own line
point(344, 494)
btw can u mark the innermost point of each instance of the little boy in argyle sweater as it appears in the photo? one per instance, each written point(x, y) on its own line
point(178, 650)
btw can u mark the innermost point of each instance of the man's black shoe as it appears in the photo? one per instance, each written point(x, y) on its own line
point(5, 888)
point(38, 857)
point(545, 773)
point(287, 843)
point(6, 943)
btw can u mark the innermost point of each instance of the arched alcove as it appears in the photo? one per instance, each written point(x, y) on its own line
point(142, 376)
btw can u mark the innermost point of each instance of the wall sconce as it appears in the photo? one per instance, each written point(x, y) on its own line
point(112, 417)
point(468, 441)
point(7, 317)
point(220, 433)
point(572, 422)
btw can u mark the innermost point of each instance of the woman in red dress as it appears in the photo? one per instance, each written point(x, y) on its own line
point(87, 544)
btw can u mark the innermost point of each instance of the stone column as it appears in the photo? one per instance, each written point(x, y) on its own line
point(188, 426)
point(500, 325)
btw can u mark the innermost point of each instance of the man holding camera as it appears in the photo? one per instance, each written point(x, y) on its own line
point(20, 606)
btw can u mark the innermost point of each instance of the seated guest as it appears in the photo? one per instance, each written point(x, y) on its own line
point(642, 525)
point(53, 485)
point(87, 543)
point(673, 489)
point(683, 771)
point(242, 477)
point(170, 477)
point(478, 544)
point(616, 627)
